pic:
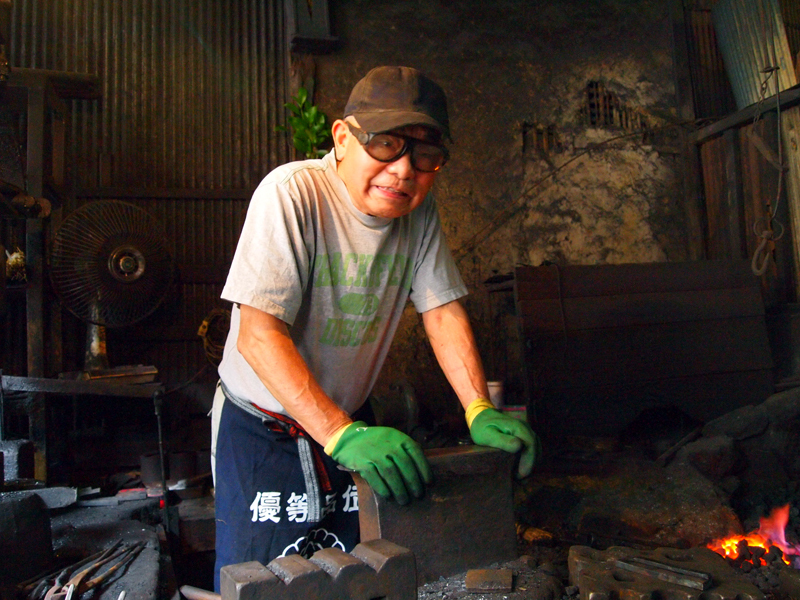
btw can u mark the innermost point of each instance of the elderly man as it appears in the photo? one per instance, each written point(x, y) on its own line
point(330, 252)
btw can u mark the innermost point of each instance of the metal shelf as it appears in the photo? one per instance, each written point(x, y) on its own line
point(33, 385)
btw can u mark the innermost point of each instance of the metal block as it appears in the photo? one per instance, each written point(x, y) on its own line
point(300, 579)
point(26, 544)
point(349, 577)
point(18, 459)
point(395, 568)
point(53, 497)
point(666, 573)
point(247, 581)
point(374, 570)
point(470, 499)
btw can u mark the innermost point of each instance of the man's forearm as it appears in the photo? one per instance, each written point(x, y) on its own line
point(454, 345)
point(265, 344)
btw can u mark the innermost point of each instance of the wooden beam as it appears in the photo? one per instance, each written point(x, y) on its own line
point(694, 207)
point(788, 98)
point(171, 193)
point(734, 202)
point(66, 84)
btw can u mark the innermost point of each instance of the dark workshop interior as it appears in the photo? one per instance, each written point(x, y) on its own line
point(621, 201)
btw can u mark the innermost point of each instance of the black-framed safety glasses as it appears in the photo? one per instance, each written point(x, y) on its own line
point(388, 147)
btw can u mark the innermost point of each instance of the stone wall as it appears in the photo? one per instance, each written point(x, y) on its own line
point(545, 100)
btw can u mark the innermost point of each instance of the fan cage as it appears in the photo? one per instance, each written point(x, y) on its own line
point(110, 264)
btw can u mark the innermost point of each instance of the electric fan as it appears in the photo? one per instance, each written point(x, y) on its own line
point(111, 267)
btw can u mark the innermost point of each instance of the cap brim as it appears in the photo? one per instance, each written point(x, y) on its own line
point(386, 120)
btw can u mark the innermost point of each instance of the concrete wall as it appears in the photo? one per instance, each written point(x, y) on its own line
point(511, 68)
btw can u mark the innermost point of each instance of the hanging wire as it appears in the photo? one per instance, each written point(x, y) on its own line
point(767, 235)
point(214, 331)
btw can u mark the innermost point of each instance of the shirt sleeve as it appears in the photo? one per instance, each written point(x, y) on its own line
point(270, 267)
point(436, 277)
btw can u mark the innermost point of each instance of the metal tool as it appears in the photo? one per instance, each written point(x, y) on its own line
point(664, 572)
point(58, 583)
point(30, 587)
point(78, 585)
point(129, 555)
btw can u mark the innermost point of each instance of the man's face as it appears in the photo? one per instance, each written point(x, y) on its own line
point(378, 188)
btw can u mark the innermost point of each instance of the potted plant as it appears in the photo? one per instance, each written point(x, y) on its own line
point(309, 125)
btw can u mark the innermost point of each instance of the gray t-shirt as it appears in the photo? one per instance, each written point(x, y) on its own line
point(338, 277)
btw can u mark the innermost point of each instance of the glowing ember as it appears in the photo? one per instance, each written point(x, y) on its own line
point(771, 532)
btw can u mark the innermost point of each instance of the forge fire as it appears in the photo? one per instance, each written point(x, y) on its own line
point(768, 540)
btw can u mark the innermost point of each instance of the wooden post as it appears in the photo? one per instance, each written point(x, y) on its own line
point(790, 131)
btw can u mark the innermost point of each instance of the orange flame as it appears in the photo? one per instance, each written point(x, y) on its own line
point(771, 532)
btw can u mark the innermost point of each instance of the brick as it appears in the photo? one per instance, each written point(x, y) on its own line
point(470, 499)
point(394, 565)
point(489, 580)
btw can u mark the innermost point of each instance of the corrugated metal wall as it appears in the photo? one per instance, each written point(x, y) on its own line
point(791, 21)
point(192, 91)
point(712, 92)
point(752, 39)
point(738, 184)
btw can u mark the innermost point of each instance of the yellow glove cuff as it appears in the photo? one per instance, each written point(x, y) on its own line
point(475, 407)
point(335, 439)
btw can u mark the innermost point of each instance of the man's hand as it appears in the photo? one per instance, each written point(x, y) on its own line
point(490, 427)
point(391, 462)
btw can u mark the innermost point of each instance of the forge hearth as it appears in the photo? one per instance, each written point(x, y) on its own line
point(672, 489)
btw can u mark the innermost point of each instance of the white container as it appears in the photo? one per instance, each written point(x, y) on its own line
point(496, 393)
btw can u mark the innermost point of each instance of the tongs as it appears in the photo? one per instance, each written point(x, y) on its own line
point(78, 584)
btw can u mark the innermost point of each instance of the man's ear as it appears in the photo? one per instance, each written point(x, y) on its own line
point(339, 133)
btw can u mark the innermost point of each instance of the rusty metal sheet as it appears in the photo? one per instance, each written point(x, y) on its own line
point(465, 520)
point(666, 573)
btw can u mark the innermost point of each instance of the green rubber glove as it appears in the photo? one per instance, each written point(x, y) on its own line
point(492, 428)
point(391, 462)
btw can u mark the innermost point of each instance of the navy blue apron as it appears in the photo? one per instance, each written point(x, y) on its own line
point(261, 501)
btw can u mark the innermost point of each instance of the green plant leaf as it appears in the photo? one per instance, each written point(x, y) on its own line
point(309, 126)
point(302, 96)
point(297, 123)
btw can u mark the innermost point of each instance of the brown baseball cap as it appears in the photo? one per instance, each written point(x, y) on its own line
point(391, 97)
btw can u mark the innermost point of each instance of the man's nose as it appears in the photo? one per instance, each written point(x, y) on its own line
point(402, 167)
